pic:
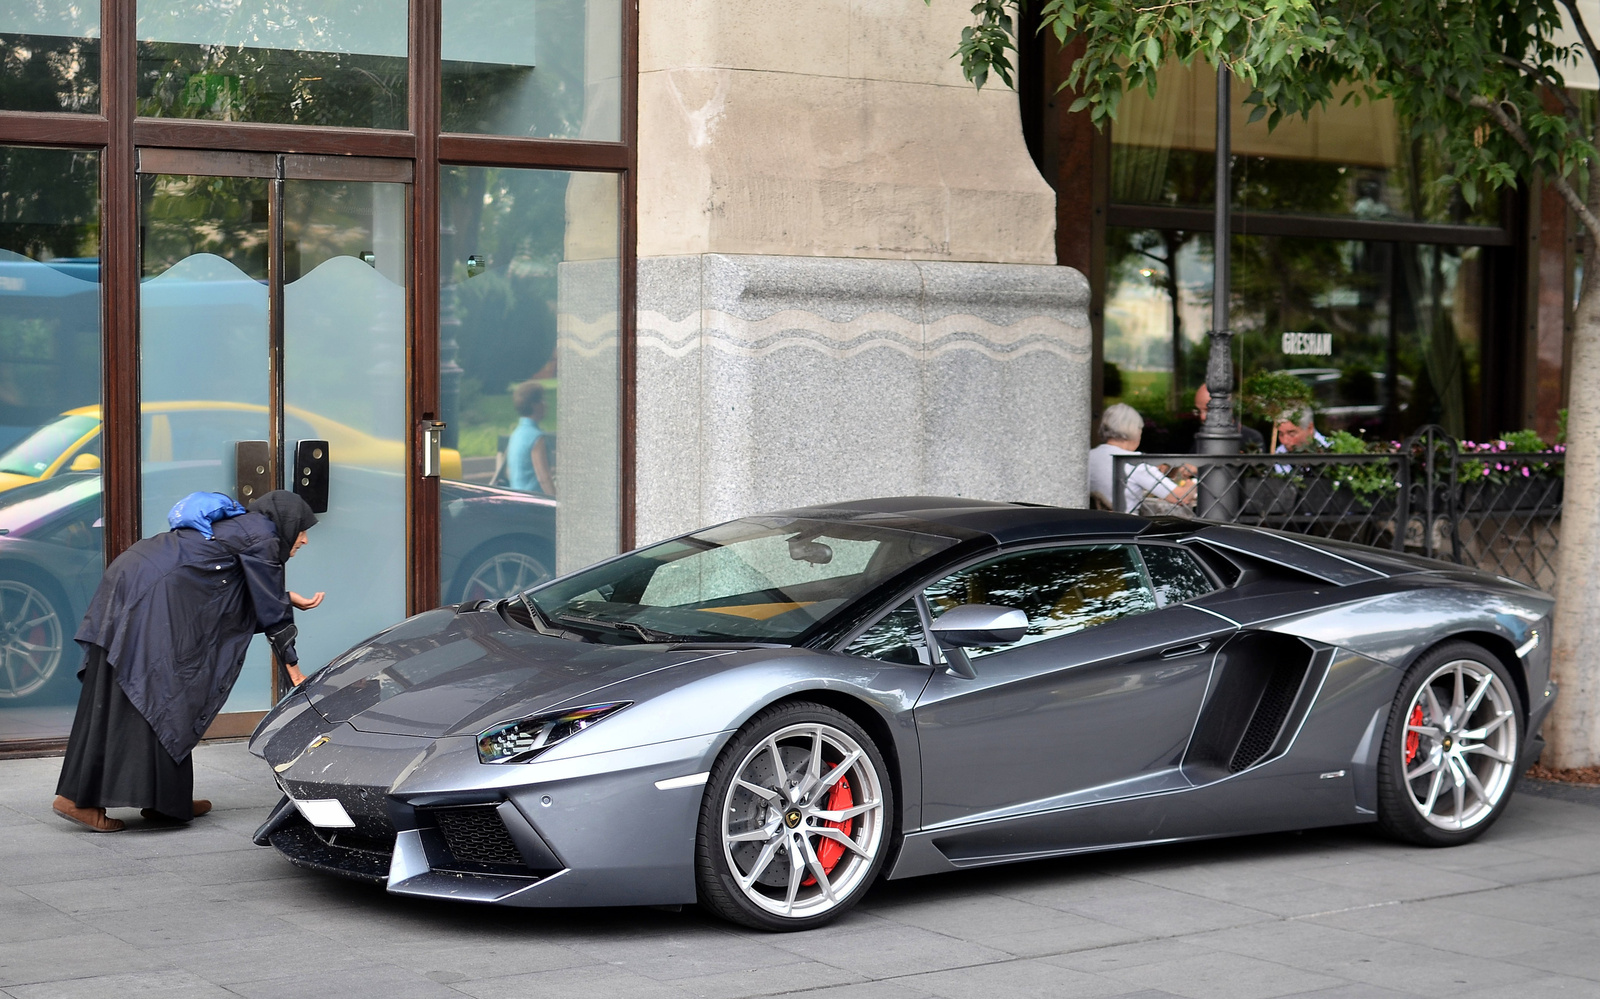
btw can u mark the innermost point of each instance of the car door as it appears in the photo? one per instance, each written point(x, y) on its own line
point(1097, 700)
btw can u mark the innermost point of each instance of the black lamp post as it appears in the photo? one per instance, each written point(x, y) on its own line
point(1220, 432)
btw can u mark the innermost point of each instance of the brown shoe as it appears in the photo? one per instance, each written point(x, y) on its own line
point(197, 808)
point(94, 818)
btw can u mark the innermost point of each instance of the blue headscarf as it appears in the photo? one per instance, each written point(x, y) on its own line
point(201, 510)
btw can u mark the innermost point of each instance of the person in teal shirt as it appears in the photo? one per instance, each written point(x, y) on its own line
point(528, 450)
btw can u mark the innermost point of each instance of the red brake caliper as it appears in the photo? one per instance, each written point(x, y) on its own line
point(1413, 739)
point(830, 851)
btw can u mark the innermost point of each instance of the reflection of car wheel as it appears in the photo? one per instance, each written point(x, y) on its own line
point(796, 820)
point(32, 635)
point(499, 569)
point(1449, 758)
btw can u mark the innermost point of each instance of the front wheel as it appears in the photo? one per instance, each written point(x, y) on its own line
point(1449, 758)
point(796, 821)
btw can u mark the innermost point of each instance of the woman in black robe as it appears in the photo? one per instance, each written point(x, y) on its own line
point(164, 639)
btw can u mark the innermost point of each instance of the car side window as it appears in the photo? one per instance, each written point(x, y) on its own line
point(1062, 590)
point(1174, 574)
point(896, 638)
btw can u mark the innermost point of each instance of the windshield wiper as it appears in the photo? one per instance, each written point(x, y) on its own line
point(538, 618)
point(648, 634)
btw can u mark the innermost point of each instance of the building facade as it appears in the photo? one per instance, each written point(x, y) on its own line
point(517, 283)
point(638, 268)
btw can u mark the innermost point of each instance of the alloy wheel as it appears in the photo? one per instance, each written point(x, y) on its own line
point(30, 639)
point(803, 820)
point(503, 575)
point(1460, 746)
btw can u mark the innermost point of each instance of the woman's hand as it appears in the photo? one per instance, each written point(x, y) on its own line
point(305, 603)
point(295, 676)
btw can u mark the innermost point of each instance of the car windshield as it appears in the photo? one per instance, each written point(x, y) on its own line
point(39, 450)
point(761, 579)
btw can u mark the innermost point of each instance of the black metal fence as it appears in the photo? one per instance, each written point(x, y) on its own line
point(1498, 510)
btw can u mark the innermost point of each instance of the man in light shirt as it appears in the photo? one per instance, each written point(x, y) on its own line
point(1294, 433)
point(1121, 427)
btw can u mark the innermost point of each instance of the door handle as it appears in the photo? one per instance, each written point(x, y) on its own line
point(311, 473)
point(252, 470)
point(1185, 650)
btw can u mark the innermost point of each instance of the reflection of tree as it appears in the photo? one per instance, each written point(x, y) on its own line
point(182, 216)
point(1131, 252)
point(279, 86)
point(49, 73)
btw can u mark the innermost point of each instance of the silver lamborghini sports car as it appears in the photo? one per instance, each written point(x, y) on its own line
point(768, 715)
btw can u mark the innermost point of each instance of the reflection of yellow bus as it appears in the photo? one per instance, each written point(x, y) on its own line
point(184, 431)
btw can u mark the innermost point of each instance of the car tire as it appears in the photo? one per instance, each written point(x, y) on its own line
point(499, 568)
point(783, 844)
point(35, 631)
point(1450, 756)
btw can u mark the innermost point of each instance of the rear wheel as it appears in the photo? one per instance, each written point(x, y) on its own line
point(1449, 759)
point(796, 821)
point(32, 636)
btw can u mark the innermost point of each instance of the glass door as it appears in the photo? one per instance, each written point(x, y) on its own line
point(272, 316)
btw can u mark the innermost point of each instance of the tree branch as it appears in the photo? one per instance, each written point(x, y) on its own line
point(1556, 180)
point(1542, 77)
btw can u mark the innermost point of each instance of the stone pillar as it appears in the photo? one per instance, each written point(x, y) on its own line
point(846, 280)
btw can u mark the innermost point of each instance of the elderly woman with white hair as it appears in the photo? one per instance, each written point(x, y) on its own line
point(1121, 427)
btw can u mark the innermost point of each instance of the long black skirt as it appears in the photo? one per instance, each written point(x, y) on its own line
point(114, 759)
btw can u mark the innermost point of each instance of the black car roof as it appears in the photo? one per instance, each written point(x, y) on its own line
point(963, 518)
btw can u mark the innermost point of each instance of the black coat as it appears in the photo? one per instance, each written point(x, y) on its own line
point(175, 613)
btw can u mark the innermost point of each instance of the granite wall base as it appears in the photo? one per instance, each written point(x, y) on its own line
point(767, 382)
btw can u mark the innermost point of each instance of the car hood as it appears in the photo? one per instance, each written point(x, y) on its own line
point(11, 480)
point(447, 673)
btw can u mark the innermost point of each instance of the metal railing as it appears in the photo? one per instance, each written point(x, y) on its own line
point(1490, 509)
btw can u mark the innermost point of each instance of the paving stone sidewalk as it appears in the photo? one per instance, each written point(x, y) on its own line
point(199, 912)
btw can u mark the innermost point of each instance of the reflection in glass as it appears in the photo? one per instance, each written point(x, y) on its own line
point(51, 546)
point(1348, 159)
point(897, 638)
point(344, 309)
point(1404, 321)
point(541, 68)
point(529, 375)
point(50, 55)
point(304, 62)
point(1062, 590)
point(1174, 574)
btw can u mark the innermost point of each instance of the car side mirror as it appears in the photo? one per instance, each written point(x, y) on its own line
point(975, 626)
point(85, 462)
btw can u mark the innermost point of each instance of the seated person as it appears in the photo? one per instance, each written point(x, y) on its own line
point(1295, 433)
point(1121, 427)
point(1250, 439)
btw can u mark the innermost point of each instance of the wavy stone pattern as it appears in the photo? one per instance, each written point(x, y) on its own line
point(767, 382)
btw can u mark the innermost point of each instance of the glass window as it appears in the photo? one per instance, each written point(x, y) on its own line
point(1399, 329)
point(50, 55)
point(302, 62)
point(1348, 159)
point(1062, 590)
point(51, 555)
point(529, 376)
point(758, 579)
point(897, 638)
point(541, 68)
point(1174, 574)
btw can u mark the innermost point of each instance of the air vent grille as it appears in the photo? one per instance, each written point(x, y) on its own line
point(1270, 712)
point(476, 835)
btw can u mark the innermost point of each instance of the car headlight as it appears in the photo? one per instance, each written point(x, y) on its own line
point(521, 741)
